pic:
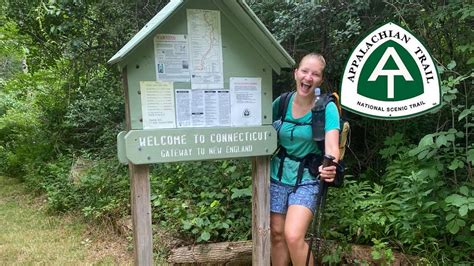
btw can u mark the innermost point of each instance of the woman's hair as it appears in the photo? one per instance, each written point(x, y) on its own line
point(318, 56)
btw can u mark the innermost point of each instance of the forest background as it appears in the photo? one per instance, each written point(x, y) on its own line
point(410, 184)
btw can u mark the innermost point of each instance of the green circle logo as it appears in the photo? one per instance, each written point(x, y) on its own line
point(390, 75)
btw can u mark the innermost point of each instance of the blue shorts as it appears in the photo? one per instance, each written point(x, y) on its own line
point(282, 195)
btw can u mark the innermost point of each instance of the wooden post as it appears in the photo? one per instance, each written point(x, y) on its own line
point(261, 210)
point(140, 199)
point(141, 214)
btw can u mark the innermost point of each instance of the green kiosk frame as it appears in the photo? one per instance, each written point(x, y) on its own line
point(198, 86)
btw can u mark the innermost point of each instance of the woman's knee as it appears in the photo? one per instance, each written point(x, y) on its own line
point(293, 237)
point(277, 228)
point(277, 234)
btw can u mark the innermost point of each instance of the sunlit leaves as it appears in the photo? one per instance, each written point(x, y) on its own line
point(463, 204)
point(455, 164)
point(454, 225)
point(466, 113)
point(240, 193)
point(470, 156)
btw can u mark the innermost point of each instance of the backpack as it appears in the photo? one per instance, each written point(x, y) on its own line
point(319, 109)
point(317, 124)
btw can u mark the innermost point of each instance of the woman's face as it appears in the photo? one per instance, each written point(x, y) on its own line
point(308, 76)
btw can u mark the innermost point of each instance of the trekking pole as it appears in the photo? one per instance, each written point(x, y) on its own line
point(316, 225)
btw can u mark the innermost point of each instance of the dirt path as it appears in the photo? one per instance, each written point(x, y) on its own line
point(31, 236)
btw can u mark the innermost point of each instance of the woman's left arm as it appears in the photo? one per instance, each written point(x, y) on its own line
point(331, 146)
point(331, 143)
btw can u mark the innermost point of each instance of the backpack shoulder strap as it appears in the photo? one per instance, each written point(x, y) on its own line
point(335, 97)
point(284, 101)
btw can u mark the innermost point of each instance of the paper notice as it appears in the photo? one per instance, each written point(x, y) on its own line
point(157, 104)
point(246, 101)
point(224, 107)
point(183, 107)
point(202, 108)
point(197, 108)
point(205, 44)
point(211, 108)
point(172, 57)
point(217, 108)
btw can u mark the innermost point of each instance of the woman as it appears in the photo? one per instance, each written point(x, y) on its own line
point(293, 203)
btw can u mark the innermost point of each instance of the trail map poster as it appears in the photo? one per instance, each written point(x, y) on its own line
point(205, 44)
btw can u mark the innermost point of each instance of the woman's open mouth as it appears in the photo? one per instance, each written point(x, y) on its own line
point(305, 86)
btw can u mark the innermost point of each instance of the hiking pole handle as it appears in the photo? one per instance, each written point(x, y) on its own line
point(328, 160)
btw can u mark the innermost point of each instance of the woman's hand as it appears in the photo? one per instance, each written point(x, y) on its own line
point(328, 173)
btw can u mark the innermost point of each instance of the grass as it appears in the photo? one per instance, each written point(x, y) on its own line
point(30, 236)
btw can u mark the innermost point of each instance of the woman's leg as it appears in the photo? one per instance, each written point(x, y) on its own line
point(297, 221)
point(279, 249)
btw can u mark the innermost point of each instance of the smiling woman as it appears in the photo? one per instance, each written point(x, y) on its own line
point(294, 188)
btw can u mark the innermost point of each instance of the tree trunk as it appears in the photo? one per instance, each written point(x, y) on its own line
point(222, 253)
point(240, 253)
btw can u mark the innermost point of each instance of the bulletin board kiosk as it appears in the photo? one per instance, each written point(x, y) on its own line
point(198, 86)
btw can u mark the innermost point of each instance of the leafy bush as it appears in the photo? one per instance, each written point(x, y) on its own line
point(26, 140)
point(95, 113)
point(204, 200)
point(53, 179)
point(106, 190)
point(100, 192)
point(381, 253)
point(414, 207)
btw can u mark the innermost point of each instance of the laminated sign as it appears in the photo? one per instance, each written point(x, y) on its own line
point(390, 75)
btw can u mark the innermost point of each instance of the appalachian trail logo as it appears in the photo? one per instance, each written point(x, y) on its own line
point(390, 75)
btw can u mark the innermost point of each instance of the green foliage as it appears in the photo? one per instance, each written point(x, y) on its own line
point(459, 206)
point(11, 51)
point(23, 132)
point(382, 253)
point(412, 181)
point(204, 200)
point(335, 257)
point(413, 206)
point(101, 192)
point(53, 178)
point(95, 113)
point(107, 187)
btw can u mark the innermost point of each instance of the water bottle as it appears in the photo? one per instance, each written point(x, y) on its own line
point(317, 92)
